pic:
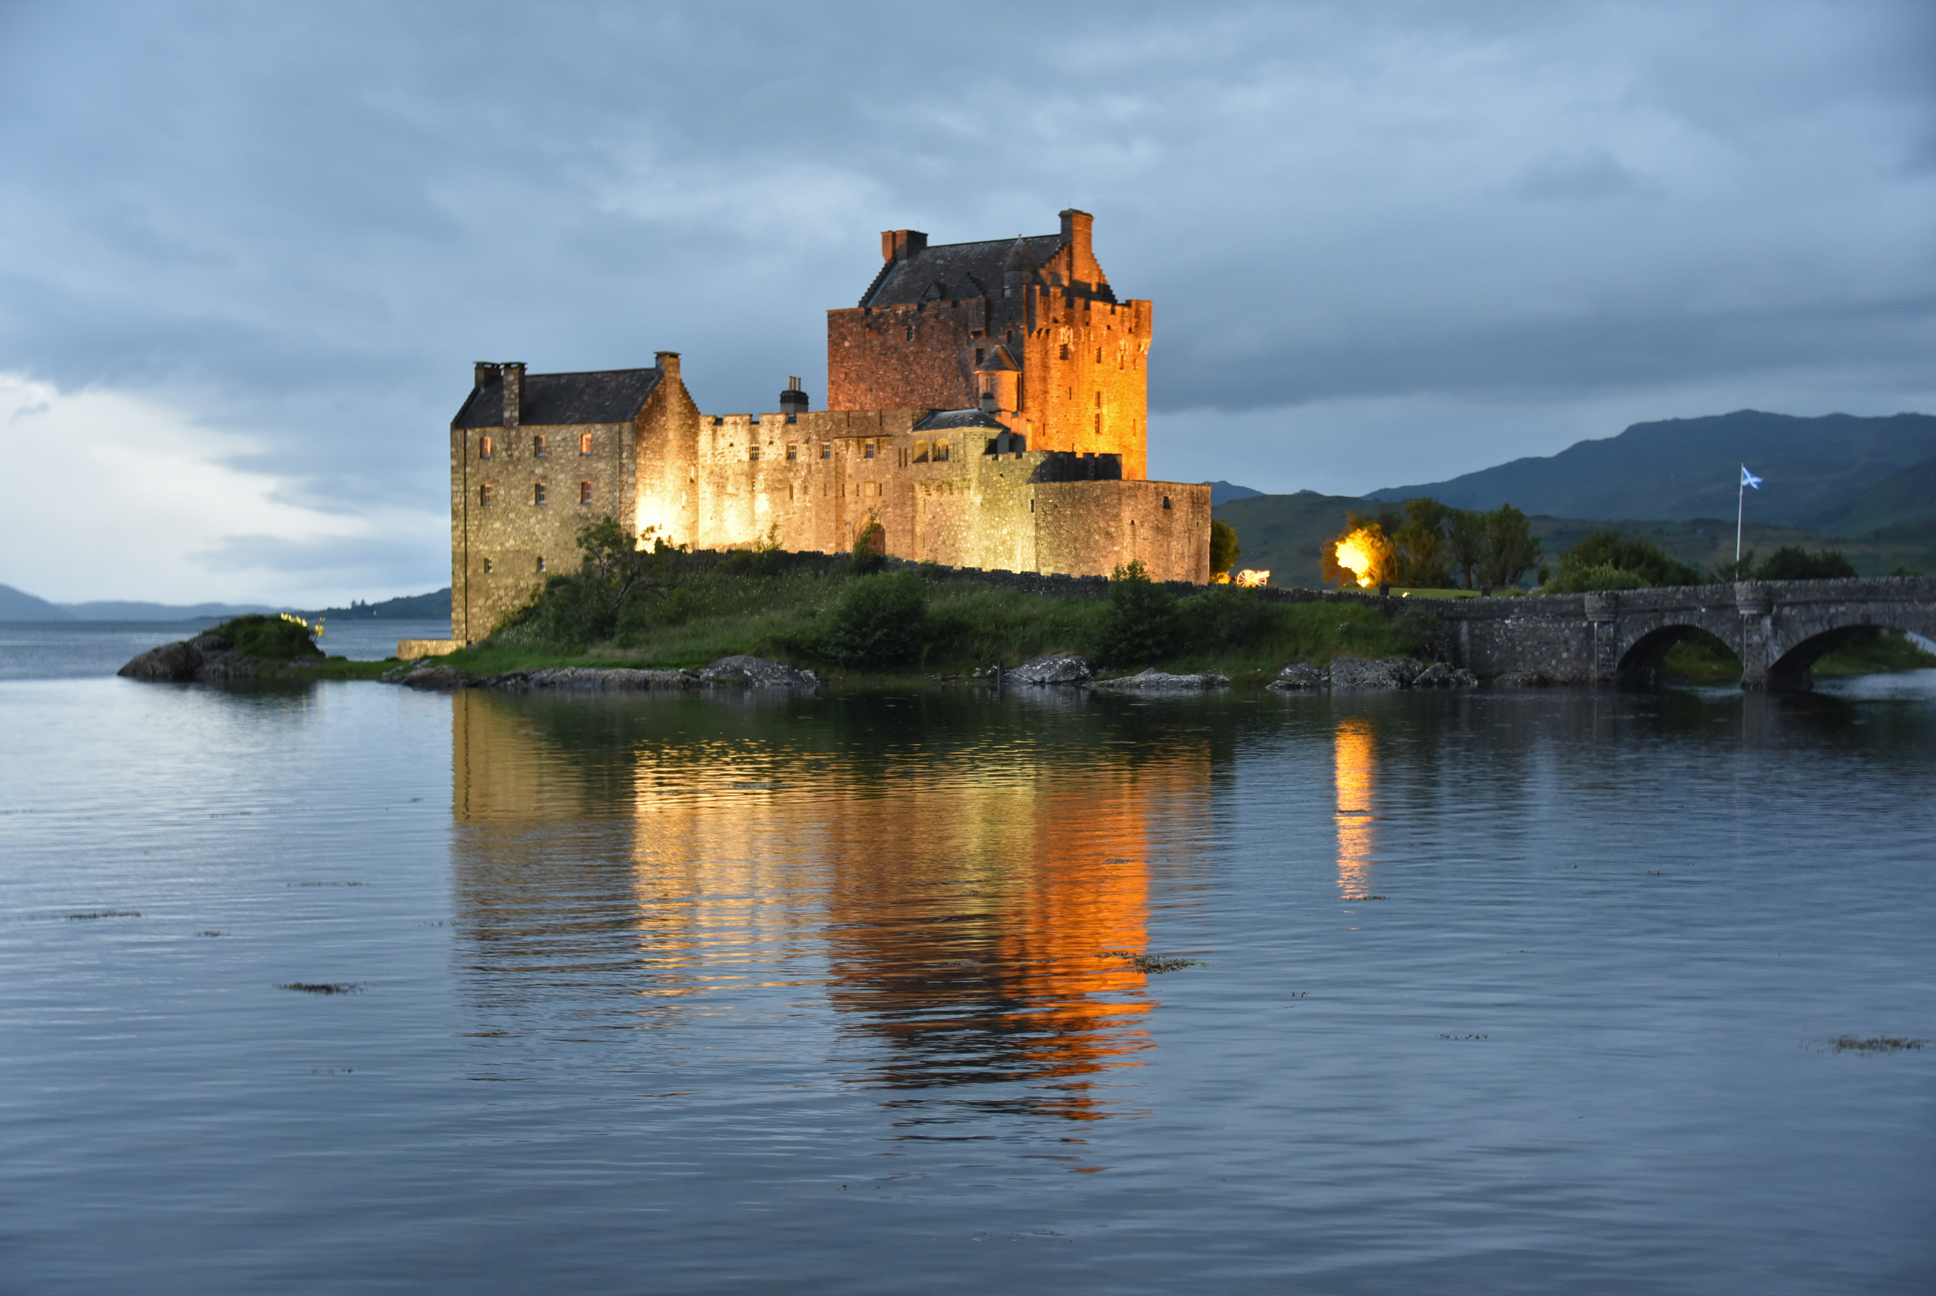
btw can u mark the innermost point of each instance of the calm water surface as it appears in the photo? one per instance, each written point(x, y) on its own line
point(1498, 992)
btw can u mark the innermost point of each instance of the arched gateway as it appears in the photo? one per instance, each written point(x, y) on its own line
point(1777, 628)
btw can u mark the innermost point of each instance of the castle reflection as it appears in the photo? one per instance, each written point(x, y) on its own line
point(952, 890)
point(1354, 771)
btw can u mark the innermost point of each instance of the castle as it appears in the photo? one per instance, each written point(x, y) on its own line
point(986, 407)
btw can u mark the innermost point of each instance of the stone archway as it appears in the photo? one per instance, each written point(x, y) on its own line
point(1639, 665)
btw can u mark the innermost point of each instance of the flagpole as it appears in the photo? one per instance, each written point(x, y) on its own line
point(1741, 502)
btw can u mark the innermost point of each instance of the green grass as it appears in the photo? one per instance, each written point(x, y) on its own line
point(709, 615)
point(1701, 658)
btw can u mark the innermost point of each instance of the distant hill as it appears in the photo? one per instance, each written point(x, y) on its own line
point(18, 605)
point(1902, 498)
point(1222, 492)
point(125, 610)
point(410, 607)
point(1681, 469)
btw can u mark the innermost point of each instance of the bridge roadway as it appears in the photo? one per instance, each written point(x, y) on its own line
point(1777, 628)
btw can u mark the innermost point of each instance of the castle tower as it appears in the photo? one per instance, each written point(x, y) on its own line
point(1073, 360)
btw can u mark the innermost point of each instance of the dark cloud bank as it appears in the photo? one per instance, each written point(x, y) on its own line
point(1387, 242)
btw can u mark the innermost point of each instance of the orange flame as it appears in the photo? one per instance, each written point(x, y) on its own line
point(1358, 554)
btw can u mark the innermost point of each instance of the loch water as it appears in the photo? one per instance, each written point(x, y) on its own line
point(943, 991)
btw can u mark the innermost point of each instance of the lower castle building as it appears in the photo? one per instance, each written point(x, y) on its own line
point(987, 408)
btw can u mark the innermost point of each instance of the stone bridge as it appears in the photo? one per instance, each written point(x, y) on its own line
point(1777, 628)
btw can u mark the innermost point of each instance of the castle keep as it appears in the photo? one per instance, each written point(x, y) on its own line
point(987, 407)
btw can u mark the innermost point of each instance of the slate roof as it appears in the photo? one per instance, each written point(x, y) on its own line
point(953, 271)
point(942, 420)
point(562, 399)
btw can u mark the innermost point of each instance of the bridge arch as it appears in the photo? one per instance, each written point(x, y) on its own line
point(1640, 664)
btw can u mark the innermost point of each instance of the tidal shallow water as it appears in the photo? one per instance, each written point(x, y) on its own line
point(1493, 992)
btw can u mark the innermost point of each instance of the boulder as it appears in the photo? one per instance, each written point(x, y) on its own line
point(757, 672)
point(1051, 668)
point(1299, 675)
point(210, 643)
point(1439, 675)
point(171, 661)
point(1155, 681)
point(1369, 673)
point(440, 678)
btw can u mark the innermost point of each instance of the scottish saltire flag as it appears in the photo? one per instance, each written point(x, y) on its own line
point(1749, 479)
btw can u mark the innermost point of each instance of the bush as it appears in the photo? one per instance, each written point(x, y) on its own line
point(275, 638)
point(1603, 561)
point(878, 621)
point(1141, 623)
point(1224, 549)
point(870, 548)
point(1792, 562)
point(1223, 617)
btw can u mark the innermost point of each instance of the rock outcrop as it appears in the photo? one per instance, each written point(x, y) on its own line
point(583, 678)
point(1374, 673)
point(1051, 668)
point(1439, 675)
point(757, 672)
point(1156, 681)
point(436, 678)
point(1299, 676)
point(205, 659)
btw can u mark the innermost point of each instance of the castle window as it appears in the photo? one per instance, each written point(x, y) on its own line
point(980, 355)
point(1098, 355)
point(941, 452)
point(1031, 505)
point(1166, 501)
point(826, 449)
point(1065, 350)
point(1098, 425)
point(920, 452)
point(753, 453)
point(585, 493)
point(487, 566)
point(1098, 400)
point(541, 562)
point(867, 449)
point(537, 447)
point(537, 493)
point(483, 497)
point(910, 332)
point(793, 452)
point(484, 447)
point(584, 443)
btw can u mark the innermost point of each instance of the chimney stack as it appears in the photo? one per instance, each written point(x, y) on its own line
point(513, 371)
point(668, 363)
point(483, 372)
point(793, 401)
point(902, 245)
point(1076, 228)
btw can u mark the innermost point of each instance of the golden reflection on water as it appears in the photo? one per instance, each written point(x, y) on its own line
point(1356, 767)
point(966, 916)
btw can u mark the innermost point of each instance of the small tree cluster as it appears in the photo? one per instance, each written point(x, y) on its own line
point(1604, 561)
point(1429, 545)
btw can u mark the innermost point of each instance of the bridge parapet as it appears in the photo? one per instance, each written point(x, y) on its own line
point(1777, 628)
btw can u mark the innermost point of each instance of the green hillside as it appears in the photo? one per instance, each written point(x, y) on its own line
point(1683, 469)
point(1902, 498)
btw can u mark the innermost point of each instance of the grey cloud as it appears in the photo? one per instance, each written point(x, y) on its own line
point(1580, 173)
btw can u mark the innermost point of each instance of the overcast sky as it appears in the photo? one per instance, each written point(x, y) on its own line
point(249, 252)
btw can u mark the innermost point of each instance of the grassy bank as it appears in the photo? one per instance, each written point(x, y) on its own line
point(846, 623)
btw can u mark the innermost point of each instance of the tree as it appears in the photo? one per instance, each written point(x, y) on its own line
point(870, 546)
point(1792, 562)
point(1465, 543)
point(1422, 560)
point(1224, 549)
point(1511, 550)
point(1604, 561)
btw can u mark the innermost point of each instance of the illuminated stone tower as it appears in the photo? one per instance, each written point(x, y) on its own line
point(1027, 329)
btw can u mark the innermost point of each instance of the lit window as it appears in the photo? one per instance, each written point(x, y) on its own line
point(941, 452)
point(867, 450)
point(826, 449)
point(793, 452)
point(537, 447)
point(484, 447)
point(541, 563)
point(584, 443)
point(585, 493)
point(483, 497)
point(537, 493)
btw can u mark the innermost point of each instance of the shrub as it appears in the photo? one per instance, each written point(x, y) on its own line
point(1603, 561)
point(1224, 549)
point(1141, 623)
point(877, 621)
point(1792, 562)
point(276, 638)
point(1223, 617)
point(870, 547)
